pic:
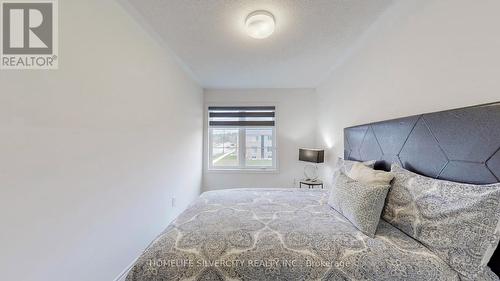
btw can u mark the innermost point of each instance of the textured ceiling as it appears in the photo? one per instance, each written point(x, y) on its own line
point(208, 36)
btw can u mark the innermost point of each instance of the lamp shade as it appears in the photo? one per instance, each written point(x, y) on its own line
point(312, 155)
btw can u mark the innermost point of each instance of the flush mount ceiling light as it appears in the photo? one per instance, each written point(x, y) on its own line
point(260, 24)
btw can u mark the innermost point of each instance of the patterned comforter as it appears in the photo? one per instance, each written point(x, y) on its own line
point(281, 234)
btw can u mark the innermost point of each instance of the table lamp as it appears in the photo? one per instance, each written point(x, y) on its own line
point(312, 156)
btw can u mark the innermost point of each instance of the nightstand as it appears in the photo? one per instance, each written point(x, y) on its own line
point(311, 184)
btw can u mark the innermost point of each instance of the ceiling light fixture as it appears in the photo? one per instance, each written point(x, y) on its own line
point(260, 24)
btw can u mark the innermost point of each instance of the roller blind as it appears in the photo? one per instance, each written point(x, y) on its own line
point(241, 116)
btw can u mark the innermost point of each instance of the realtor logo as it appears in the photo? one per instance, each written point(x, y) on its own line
point(29, 35)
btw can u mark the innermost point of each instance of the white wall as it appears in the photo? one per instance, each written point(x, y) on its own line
point(420, 56)
point(296, 127)
point(92, 153)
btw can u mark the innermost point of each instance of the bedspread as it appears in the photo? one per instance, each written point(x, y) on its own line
point(281, 234)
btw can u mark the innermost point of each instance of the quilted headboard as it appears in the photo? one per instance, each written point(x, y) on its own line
point(461, 145)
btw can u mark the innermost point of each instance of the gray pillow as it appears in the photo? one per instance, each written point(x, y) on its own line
point(458, 222)
point(360, 203)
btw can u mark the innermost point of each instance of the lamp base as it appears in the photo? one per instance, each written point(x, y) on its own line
point(311, 172)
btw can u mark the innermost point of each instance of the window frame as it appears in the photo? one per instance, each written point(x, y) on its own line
point(242, 167)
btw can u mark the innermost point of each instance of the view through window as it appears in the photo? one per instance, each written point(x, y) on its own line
point(242, 137)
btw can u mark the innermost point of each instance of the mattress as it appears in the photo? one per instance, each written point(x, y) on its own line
point(281, 234)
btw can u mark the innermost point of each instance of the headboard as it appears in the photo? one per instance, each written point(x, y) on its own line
point(461, 145)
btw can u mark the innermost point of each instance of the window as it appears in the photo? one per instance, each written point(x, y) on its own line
point(242, 138)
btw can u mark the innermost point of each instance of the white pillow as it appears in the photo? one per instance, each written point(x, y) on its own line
point(345, 166)
point(368, 175)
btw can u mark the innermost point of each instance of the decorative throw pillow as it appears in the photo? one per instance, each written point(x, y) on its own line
point(360, 203)
point(368, 175)
point(458, 222)
point(345, 166)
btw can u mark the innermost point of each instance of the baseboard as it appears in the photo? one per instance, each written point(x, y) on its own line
point(123, 274)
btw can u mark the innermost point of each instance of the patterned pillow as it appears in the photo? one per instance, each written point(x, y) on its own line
point(458, 222)
point(360, 203)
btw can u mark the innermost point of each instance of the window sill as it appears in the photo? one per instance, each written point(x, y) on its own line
point(243, 171)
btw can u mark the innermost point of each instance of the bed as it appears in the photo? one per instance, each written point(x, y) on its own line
point(281, 234)
point(292, 234)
